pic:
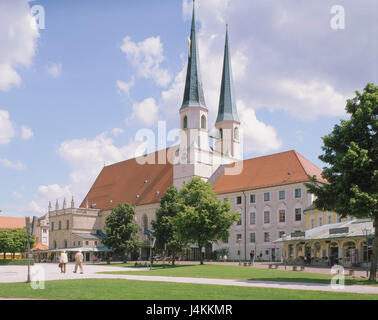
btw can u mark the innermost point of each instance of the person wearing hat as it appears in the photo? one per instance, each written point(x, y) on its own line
point(78, 261)
point(63, 260)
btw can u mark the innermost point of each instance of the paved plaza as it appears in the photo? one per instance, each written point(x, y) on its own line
point(11, 274)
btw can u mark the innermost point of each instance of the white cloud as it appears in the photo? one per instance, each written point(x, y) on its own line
point(18, 35)
point(86, 158)
point(146, 56)
point(146, 112)
point(124, 87)
point(257, 136)
point(12, 165)
point(117, 131)
point(26, 133)
point(7, 131)
point(54, 69)
point(16, 194)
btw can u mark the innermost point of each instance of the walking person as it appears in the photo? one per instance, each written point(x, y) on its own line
point(78, 261)
point(63, 260)
point(252, 257)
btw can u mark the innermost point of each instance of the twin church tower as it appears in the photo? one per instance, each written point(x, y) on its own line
point(196, 156)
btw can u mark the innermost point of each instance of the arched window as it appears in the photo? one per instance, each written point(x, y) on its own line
point(203, 122)
point(221, 133)
point(185, 124)
point(236, 133)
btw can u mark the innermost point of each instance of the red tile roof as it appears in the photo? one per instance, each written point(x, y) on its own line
point(38, 246)
point(267, 171)
point(12, 223)
point(124, 182)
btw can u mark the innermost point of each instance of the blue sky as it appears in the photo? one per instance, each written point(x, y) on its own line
point(104, 65)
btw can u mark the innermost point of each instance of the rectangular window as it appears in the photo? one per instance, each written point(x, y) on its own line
point(281, 195)
point(86, 243)
point(252, 237)
point(238, 200)
point(240, 220)
point(298, 214)
point(320, 221)
point(238, 237)
point(266, 216)
point(252, 218)
point(266, 237)
point(282, 215)
point(68, 224)
point(329, 219)
point(60, 225)
point(44, 230)
point(78, 243)
point(298, 193)
point(252, 198)
point(266, 196)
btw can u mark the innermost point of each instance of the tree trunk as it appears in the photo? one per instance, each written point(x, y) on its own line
point(201, 257)
point(374, 258)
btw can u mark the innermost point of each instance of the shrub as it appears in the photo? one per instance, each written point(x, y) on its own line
point(16, 262)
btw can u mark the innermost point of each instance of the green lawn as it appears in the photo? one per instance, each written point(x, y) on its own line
point(114, 289)
point(240, 273)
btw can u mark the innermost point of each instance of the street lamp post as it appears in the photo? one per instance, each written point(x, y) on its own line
point(27, 220)
point(283, 250)
point(239, 240)
point(366, 232)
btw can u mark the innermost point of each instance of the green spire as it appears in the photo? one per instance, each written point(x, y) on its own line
point(193, 95)
point(227, 107)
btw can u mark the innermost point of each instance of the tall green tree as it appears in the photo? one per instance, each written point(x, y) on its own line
point(15, 241)
point(6, 242)
point(121, 230)
point(351, 152)
point(163, 226)
point(202, 218)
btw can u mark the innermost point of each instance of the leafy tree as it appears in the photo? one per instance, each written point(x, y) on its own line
point(164, 228)
point(351, 150)
point(121, 230)
point(202, 218)
point(6, 242)
point(15, 240)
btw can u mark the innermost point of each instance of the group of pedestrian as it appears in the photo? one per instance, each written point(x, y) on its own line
point(63, 260)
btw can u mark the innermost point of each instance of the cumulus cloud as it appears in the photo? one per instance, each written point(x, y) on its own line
point(12, 165)
point(294, 61)
point(18, 36)
point(258, 137)
point(147, 56)
point(7, 130)
point(145, 112)
point(54, 69)
point(124, 87)
point(117, 131)
point(86, 158)
point(26, 133)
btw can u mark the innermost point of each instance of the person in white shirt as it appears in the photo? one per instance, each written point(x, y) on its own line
point(63, 260)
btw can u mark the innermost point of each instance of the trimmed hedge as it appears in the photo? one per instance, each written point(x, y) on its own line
point(16, 262)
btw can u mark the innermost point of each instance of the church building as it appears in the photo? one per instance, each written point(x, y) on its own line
point(268, 191)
